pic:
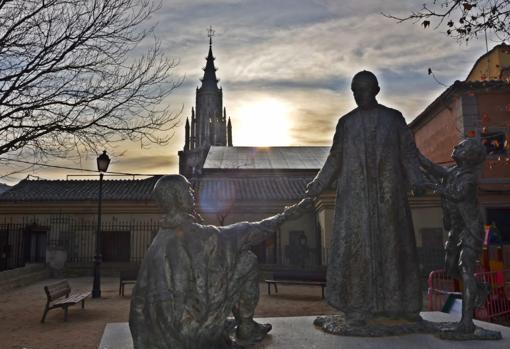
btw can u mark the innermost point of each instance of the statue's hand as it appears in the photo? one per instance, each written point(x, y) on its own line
point(419, 189)
point(439, 189)
point(313, 189)
point(297, 210)
point(306, 203)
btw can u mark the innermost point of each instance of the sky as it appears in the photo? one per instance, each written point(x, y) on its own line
point(285, 67)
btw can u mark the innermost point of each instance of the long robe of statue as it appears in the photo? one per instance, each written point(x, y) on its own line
point(373, 268)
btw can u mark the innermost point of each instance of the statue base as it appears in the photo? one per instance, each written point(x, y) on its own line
point(382, 327)
point(479, 334)
point(336, 324)
point(299, 333)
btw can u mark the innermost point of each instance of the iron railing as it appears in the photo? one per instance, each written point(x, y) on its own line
point(22, 243)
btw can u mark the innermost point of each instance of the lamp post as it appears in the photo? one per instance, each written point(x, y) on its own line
point(102, 165)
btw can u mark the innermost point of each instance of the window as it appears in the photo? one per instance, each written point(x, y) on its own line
point(116, 246)
point(494, 142)
point(501, 218)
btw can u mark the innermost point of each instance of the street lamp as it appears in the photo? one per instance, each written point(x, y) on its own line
point(102, 165)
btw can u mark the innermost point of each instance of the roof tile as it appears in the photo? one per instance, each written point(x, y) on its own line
point(76, 190)
point(266, 158)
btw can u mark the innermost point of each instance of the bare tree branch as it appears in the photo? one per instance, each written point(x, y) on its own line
point(464, 20)
point(73, 76)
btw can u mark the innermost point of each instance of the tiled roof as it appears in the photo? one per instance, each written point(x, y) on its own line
point(460, 88)
point(76, 190)
point(214, 191)
point(210, 189)
point(265, 158)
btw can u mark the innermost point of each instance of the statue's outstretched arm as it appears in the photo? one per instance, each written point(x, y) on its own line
point(435, 170)
point(409, 156)
point(247, 234)
point(244, 235)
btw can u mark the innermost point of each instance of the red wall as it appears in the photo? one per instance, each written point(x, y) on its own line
point(496, 109)
point(436, 138)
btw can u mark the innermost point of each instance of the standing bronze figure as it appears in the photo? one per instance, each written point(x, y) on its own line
point(458, 186)
point(373, 268)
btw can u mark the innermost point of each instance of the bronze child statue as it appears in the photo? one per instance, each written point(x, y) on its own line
point(193, 276)
point(462, 218)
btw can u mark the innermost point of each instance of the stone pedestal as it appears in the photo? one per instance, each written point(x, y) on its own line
point(300, 333)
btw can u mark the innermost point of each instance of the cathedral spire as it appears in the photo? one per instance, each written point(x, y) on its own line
point(210, 80)
point(210, 34)
point(186, 135)
point(229, 133)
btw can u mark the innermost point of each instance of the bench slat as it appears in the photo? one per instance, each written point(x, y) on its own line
point(300, 275)
point(270, 282)
point(57, 290)
point(131, 274)
point(73, 299)
point(78, 296)
point(296, 282)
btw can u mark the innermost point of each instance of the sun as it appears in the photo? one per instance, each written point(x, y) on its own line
point(263, 122)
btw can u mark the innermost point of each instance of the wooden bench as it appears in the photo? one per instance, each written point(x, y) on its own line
point(59, 296)
point(126, 277)
point(297, 277)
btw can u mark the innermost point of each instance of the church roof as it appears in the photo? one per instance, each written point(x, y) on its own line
point(208, 189)
point(265, 158)
point(80, 190)
point(456, 89)
point(214, 192)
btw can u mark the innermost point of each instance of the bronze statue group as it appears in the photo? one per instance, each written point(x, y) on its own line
point(194, 275)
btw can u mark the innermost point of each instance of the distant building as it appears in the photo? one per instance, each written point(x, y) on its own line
point(40, 215)
point(494, 65)
point(209, 126)
point(233, 184)
point(251, 183)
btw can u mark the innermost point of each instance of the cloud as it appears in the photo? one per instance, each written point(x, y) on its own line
point(303, 53)
point(325, 54)
point(145, 163)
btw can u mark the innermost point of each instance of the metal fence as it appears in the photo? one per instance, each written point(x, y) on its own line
point(430, 259)
point(496, 306)
point(122, 241)
point(28, 241)
point(11, 246)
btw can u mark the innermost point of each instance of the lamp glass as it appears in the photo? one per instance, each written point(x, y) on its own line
point(102, 162)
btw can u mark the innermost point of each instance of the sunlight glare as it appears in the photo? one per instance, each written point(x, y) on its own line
point(264, 122)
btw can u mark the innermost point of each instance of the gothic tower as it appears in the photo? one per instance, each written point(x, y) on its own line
point(209, 125)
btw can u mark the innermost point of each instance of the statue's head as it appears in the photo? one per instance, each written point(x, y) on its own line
point(174, 194)
point(365, 87)
point(469, 152)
